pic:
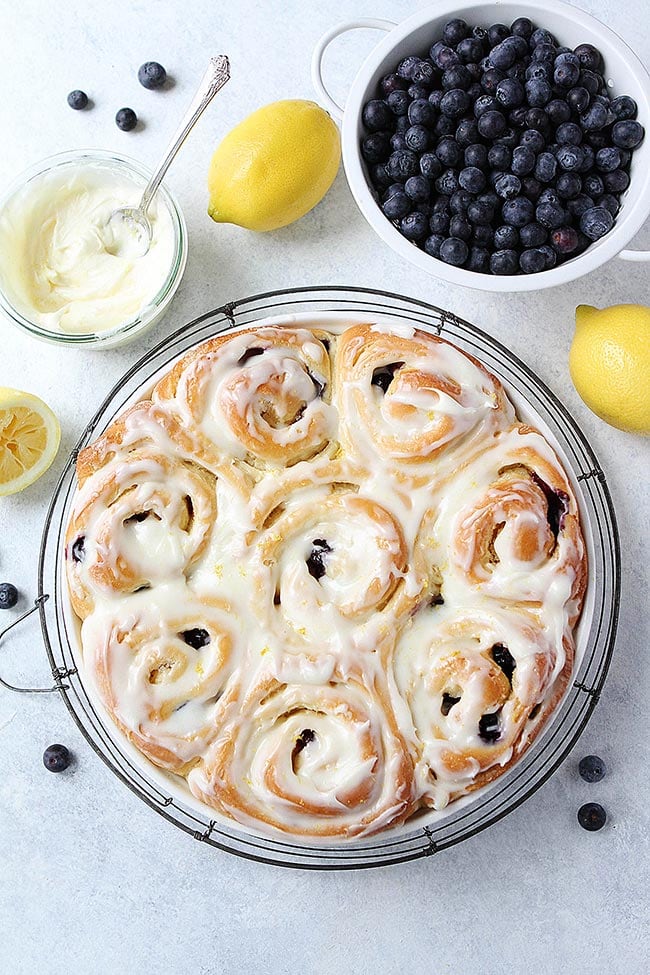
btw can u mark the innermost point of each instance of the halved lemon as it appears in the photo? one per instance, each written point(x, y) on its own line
point(29, 439)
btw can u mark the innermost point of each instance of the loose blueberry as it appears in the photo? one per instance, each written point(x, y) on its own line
point(56, 758)
point(439, 222)
point(444, 126)
point(522, 27)
point(506, 238)
point(490, 80)
point(523, 160)
point(517, 117)
point(596, 222)
point(414, 226)
point(459, 201)
point(623, 107)
point(196, 637)
point(152, 75)
point(544, 53)
point(379, 176)
point(627, 134)
point(454, 31)
point(593, 185)
point(592, 816)
point(482, 234)
point(376, 115)
point(423, 73)
point(541, 36)
point(533, 139)
point(77, 99)
point(497, 33)
point(421, 112)
point(397, 141)
point(470, 50)
point(418, 92)
point(566, 73)
point(579, 204)
point(8, 595)
point(126, 119)
point(589, 56)
point(454, 251)
point(592, 768)
point(509, 93)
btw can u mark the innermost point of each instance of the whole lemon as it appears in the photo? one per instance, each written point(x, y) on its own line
point(274, 166)
point(609, 363)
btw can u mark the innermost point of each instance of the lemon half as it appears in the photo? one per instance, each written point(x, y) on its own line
point(29, 439)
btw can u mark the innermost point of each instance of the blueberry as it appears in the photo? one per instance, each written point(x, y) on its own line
point(421, 112)
point(522, 27)
point(423, 73)
point(479, 260)
point(590, 81)
point(518, 212)
point(126, 119)
point(536, 118)
point(443, 56)
point(539, 71)
point(507, 186)
point(598, 139)
point(375, 147)
point(459, 201)
point(474, 91)
point(414, 226)
point(626, 157)
point(549, 195)
point(417, 188)
point(435, 98)
point(472, 179)
point(593, 185)
point(486, 103)
point(623, 107)
point(579, 204)
point(430, 165)
point(506, 237)
point(401, 124)
point(417, 138)
point(504, 262)
point(608, 159)
point(482, 234)
point(568, 186)
point(470, 50)
point(56, 758)
point(517, 117)
point(544, 53)
point(196, 638)
point(564, 240)
point(454, 251)
point(550, 255)
point(509, 93)
point(499, 157)
point(459, 226)
point(396, 203)
point(406, 66)
point(439, 222)
point(497, 33)
point(504, 55)
point(398, 102)
point(467, 132)
point(376, 115)
point(402, 164)
point(418, 92)
point(595, 117)
point(627, 134)
point(455, 103)
point(491, 79)
point(538, 93)
point(480, 33)
point(550, 215)
point(616, 182)
point(589, 56)
point(532, 261)
point(568, 134)
point(578, 99)
point(533, 139)
point(596, 222)
point(397, 141)
point(391, 83)
point(609, 201)
point(444, 126)
point(545, 167)
point(490, 198)
point(476, 154)
point(592, 768)
point(432, 245)
point(379, 176)
point(8, 595)
point(77, 99)
point(152, 75)
point(458, 76)
point(517, 72)
point(480, 212)
point(531, 188)
point(447, 183)
point(541, 36)
point(570, 158)
point(523, 160)
point(491, 125)
point(589, 160)
point(566, 73)
point(592, 816)
point(448, 152)
point(532, 235)
point(454, 31)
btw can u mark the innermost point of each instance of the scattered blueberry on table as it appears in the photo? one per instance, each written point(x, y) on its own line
point(126, 119)
point(56, 758)
point(152, 75)
point(591, 768)
point(509, 131)
point(8, 595)
point(77, 99)
point(592, 816)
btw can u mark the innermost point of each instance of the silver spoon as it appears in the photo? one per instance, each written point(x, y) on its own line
point(129, 228)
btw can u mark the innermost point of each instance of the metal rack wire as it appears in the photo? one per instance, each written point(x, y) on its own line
point(421, 836)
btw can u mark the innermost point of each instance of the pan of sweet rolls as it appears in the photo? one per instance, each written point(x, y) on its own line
point(326, 575)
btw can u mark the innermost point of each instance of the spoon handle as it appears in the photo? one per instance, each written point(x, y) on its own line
point(213, 81)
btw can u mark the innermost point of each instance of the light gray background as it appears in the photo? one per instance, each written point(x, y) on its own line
point(92, 881)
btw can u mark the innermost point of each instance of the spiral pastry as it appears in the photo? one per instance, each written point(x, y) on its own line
point(478, 685)
point(407, 397)
point(318, 761)
point(161, 666)
point(141, 519)
point(261, 397)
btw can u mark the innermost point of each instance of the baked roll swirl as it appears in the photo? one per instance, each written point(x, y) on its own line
point(160, 666)
point(259, 397)
point(317, 761)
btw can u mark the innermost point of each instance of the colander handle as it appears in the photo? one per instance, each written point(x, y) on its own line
point(317, 58)
point(57, 674)
point(635, 255)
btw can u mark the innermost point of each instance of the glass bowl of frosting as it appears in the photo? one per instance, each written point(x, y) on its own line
point(59, 277)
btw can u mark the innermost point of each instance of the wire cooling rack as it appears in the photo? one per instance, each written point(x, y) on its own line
point(421, 836)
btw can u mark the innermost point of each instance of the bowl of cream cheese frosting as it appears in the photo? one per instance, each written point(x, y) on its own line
point(59, 279)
